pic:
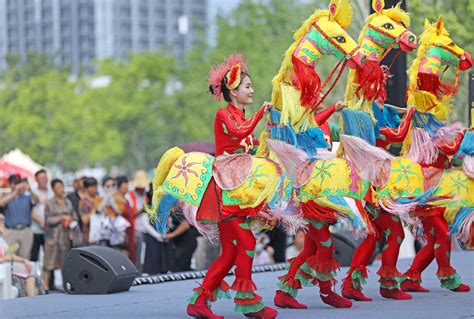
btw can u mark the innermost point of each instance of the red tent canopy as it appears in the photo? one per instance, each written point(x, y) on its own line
point(7, 169)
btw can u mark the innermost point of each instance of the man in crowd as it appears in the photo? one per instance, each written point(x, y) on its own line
point(18, 205)
point(37, 226)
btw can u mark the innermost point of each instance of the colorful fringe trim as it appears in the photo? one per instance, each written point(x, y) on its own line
point(322, 271)
point(166, 203)
point(246, 301)
point(289, 286)
point(462, 226)
point(223, 291)
point(450, 282)
point(369, 159)
point(390, 277)
point(413, 276)
point(358, 277)
point(306, 279)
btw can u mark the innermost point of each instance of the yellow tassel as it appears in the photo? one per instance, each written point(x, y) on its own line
point(450, 214)
point(407, 141)
point(301, 119)
point(263, 149)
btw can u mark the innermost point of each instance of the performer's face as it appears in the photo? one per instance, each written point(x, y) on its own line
point(244, 93)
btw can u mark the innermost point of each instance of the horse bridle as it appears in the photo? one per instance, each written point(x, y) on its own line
point(342, 64)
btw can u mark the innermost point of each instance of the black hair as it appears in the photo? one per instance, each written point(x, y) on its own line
point(106, 179)
point(56, 181)
point(225, 90)
point(14, 179)
point(89, 182)
point(40, 172)
point(121, 180)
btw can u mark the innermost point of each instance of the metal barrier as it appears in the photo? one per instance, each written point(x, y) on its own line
point(156, 279)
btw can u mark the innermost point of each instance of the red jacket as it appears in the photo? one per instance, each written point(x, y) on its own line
point(233, 133)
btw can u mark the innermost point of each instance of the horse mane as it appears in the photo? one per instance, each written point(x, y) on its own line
point(286, 67)
point(444, 104)
point(396, 14)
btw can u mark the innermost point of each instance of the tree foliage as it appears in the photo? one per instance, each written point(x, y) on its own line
point(154, 101)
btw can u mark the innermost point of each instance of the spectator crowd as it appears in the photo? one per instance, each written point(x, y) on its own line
point(38, 227)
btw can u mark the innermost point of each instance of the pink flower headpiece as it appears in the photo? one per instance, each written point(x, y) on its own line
point(231, 70)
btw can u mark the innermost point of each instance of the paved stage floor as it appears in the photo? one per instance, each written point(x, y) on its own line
point(168, 300)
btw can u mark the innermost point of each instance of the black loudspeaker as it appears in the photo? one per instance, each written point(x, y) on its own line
point(97, 270)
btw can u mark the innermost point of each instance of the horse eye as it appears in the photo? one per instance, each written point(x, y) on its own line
point(341, 39)
point(388, 26)
point(452, 44)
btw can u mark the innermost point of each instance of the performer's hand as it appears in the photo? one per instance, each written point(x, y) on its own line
point(267, 106)
point(340, 105)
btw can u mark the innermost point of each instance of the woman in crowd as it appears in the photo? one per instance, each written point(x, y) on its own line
point(59, 218)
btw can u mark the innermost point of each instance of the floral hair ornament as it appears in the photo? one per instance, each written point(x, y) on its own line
point(230, 70)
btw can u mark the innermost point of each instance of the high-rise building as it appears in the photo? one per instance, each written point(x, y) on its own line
point(76, 32)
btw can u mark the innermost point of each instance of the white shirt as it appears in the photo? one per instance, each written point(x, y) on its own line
point(38, 209)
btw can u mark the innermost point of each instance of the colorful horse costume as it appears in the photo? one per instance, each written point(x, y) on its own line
point(364, 127)
point(322, 186)
point(437, 146)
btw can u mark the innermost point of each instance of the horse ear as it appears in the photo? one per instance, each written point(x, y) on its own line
point(333, 9)
point(439, 25)
point(427, 24)
point(378, 5)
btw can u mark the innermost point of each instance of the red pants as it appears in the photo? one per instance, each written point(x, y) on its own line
point(314, 264)
point(388, 227)
point(438, 246)
point(238, 245)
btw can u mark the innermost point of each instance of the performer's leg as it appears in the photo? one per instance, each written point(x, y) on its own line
point(246, 300)
point(292, 281)
point(412, 277)
point(390, 278)
point(448, 276)
point(352, 284)
point(323, 266)
point(214, 286)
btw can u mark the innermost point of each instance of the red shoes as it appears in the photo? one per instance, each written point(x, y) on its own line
point(396, 294)
point(462, 288)
point(265, 313)
point(413, 286)
point(284, 300)
point(333, 299)
point(355, 294)
point(201, 310)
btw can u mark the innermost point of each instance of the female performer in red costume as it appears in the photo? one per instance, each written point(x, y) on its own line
point(233, 135)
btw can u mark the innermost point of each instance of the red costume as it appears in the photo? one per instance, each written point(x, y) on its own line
point(436, 231)
point(315, 264)
point(233, 135)
point(389, 228)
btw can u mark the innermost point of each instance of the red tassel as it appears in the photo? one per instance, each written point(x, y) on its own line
point(371, 80)
point(432, 83)
point(308, 82)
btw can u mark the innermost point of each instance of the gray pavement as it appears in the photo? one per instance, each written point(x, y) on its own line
point(168, 300)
